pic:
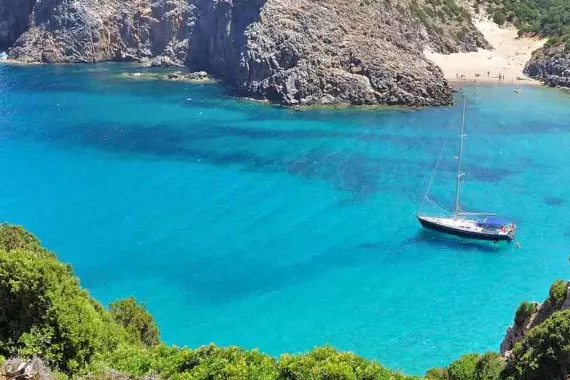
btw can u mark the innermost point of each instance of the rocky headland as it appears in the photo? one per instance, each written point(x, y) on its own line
point(550, 65)
point(530, 315)
point(301, 52)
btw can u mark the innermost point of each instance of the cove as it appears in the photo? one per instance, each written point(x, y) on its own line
point(245, 224)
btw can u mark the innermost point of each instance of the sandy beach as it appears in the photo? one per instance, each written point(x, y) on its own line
point(506, 60)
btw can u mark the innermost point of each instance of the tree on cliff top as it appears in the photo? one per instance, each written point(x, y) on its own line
point(557, 294)
point(544, 353)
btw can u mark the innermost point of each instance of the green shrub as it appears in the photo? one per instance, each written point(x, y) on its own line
point(489, 367)
point(552, 41)
point(524, 311)
point(464, 367)
point(499, 17)
point(211, 362)
point(437, 374)
point(557, 294)
point(327, 363)
point(136, 320)
point(16, 237)
point(544, 353)
point(420, 14)
point(44, 311)
point(429, 11)
point(208, 362)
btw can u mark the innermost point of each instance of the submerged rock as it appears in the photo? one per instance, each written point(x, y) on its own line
point(301, 52)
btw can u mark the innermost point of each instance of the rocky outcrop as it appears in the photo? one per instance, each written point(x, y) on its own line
point(551, 65)
point(518, 331)
point(293, 52)
point(25, 369)
point(105, 30)
point(178, 76)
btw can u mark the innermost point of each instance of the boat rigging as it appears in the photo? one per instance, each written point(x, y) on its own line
point(482, 226)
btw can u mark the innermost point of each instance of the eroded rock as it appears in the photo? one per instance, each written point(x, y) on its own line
point(22, 369)
point(301, 52)
point(543, 311)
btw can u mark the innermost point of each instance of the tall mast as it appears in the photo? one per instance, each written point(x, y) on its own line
point(460, 174)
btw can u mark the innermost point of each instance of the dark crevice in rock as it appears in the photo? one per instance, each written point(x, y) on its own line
point(14, 20)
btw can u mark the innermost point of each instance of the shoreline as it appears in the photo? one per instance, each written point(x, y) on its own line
point(504, 64)
point(494, 81)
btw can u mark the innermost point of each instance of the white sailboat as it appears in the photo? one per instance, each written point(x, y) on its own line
point(483, 226)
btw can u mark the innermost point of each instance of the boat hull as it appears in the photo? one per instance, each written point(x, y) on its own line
point(463, 233)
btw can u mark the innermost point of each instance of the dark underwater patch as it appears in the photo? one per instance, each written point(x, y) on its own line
point(554, 201)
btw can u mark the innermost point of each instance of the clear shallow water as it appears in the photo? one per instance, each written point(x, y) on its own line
point(246, 224)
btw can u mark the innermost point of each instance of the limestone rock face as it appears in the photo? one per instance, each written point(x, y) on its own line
point(517, 332)
point(551, 65)
point(293, 52)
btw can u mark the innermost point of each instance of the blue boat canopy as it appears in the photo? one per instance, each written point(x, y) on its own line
point(491, 222)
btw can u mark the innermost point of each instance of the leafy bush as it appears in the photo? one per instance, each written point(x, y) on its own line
point(136, 320)
point(557, 294)
point(437, 374)
point(208, 362)
point(499, 17)
point(489, 367)
point(327, 363)
point(464, 367)
point(44, 311)
point(544, 353)
point(16, 237)
point(429, 11)
point(470, 367)
point(420, 14)
point(211, 362)
point(524, 311)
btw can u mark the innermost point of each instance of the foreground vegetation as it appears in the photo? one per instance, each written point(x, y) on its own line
point(45, 313)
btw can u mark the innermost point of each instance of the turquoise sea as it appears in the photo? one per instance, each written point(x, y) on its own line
point(245, 224)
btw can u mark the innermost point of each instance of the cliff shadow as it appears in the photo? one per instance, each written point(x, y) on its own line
point(218, 40)
point(15, 18)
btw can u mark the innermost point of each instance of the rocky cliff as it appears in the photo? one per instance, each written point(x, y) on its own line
point(551, 65)
point(293, 52)
point(540, 314)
